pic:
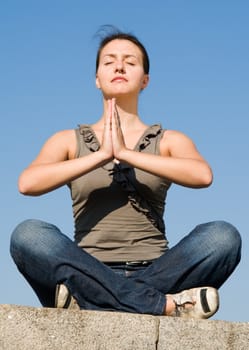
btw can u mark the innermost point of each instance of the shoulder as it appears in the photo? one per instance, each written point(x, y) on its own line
point(175, 142)
point(174, 135)
point(63, 137)
point(64, 140)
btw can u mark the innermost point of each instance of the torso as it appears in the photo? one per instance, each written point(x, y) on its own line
point(106, 224)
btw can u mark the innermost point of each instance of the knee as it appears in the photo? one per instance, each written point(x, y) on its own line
point(32, 238)
point(24, 232)
point(29, 236)
point(227, 233)
point(20, 240)
point(225, 237)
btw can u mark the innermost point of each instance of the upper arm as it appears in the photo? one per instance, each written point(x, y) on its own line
point(59, 147)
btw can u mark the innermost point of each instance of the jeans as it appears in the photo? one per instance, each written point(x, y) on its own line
point(46, 257)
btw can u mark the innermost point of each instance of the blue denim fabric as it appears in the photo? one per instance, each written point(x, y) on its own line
point(46, 257)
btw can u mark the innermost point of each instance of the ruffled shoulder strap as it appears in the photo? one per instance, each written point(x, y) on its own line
point(150, 133)
point(89, 137)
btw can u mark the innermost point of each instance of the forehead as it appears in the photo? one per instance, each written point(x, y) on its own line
point(121, 46)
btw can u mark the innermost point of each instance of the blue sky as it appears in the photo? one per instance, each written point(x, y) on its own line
point(199, 85)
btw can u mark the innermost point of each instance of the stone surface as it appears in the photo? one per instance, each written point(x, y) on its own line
point(28, 328)
point(175, 333)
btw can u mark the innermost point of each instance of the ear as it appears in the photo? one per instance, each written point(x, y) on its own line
point(97, 82)
point(145, 81)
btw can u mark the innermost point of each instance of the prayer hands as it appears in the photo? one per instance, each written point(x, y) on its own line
point(113, 140)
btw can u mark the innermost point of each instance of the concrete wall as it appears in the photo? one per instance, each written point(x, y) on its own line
point(29, 328)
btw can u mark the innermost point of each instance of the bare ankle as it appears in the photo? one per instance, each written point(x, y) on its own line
point(170, 305)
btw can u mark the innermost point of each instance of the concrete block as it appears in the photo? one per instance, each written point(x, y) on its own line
point(27, 328)
point(178, 333)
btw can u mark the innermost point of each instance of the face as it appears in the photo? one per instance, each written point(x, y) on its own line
point(120, 70)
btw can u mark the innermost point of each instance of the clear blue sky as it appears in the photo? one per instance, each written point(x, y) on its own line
point(199, 84)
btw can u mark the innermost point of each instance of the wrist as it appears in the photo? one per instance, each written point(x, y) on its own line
point(103, 157)
point(124, 155)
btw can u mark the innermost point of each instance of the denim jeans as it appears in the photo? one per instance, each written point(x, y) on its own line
point(46, 257)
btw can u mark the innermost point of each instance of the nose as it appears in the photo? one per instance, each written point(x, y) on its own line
point(119, 67)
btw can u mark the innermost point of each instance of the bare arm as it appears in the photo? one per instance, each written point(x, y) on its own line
point(55, 165)
point(179, 162)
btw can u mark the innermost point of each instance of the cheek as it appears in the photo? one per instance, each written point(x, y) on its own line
point(100, 79)
point(102, 82)
point(103, 74)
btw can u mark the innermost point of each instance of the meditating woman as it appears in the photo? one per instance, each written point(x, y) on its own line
point(119, 170)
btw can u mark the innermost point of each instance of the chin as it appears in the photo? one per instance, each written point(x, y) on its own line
point(119, 94)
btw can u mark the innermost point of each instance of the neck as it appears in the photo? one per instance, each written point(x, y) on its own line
point(128, 113)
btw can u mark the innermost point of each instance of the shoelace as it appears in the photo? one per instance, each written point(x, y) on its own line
point(179, 308)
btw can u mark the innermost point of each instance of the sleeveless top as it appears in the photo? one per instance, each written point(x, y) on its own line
point(109, 224)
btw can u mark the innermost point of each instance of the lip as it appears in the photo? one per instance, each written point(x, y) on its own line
point(118, 78)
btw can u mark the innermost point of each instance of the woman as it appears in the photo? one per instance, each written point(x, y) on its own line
point(118, 171)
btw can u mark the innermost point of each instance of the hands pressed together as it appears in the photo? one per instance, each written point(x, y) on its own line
point(113, 143)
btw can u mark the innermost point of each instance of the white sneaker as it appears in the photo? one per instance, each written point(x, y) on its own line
point(63, 298)
point(198, 303)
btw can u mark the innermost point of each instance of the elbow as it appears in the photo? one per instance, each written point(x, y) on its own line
point(24, 186)
point(206, 178)
point(31, 186)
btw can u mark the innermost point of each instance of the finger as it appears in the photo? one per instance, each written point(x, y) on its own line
point(115, 114)
point(117, 117)
point(108, 115)
point(113, 106)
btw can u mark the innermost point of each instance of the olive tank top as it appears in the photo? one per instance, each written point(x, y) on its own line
point(108, 224)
